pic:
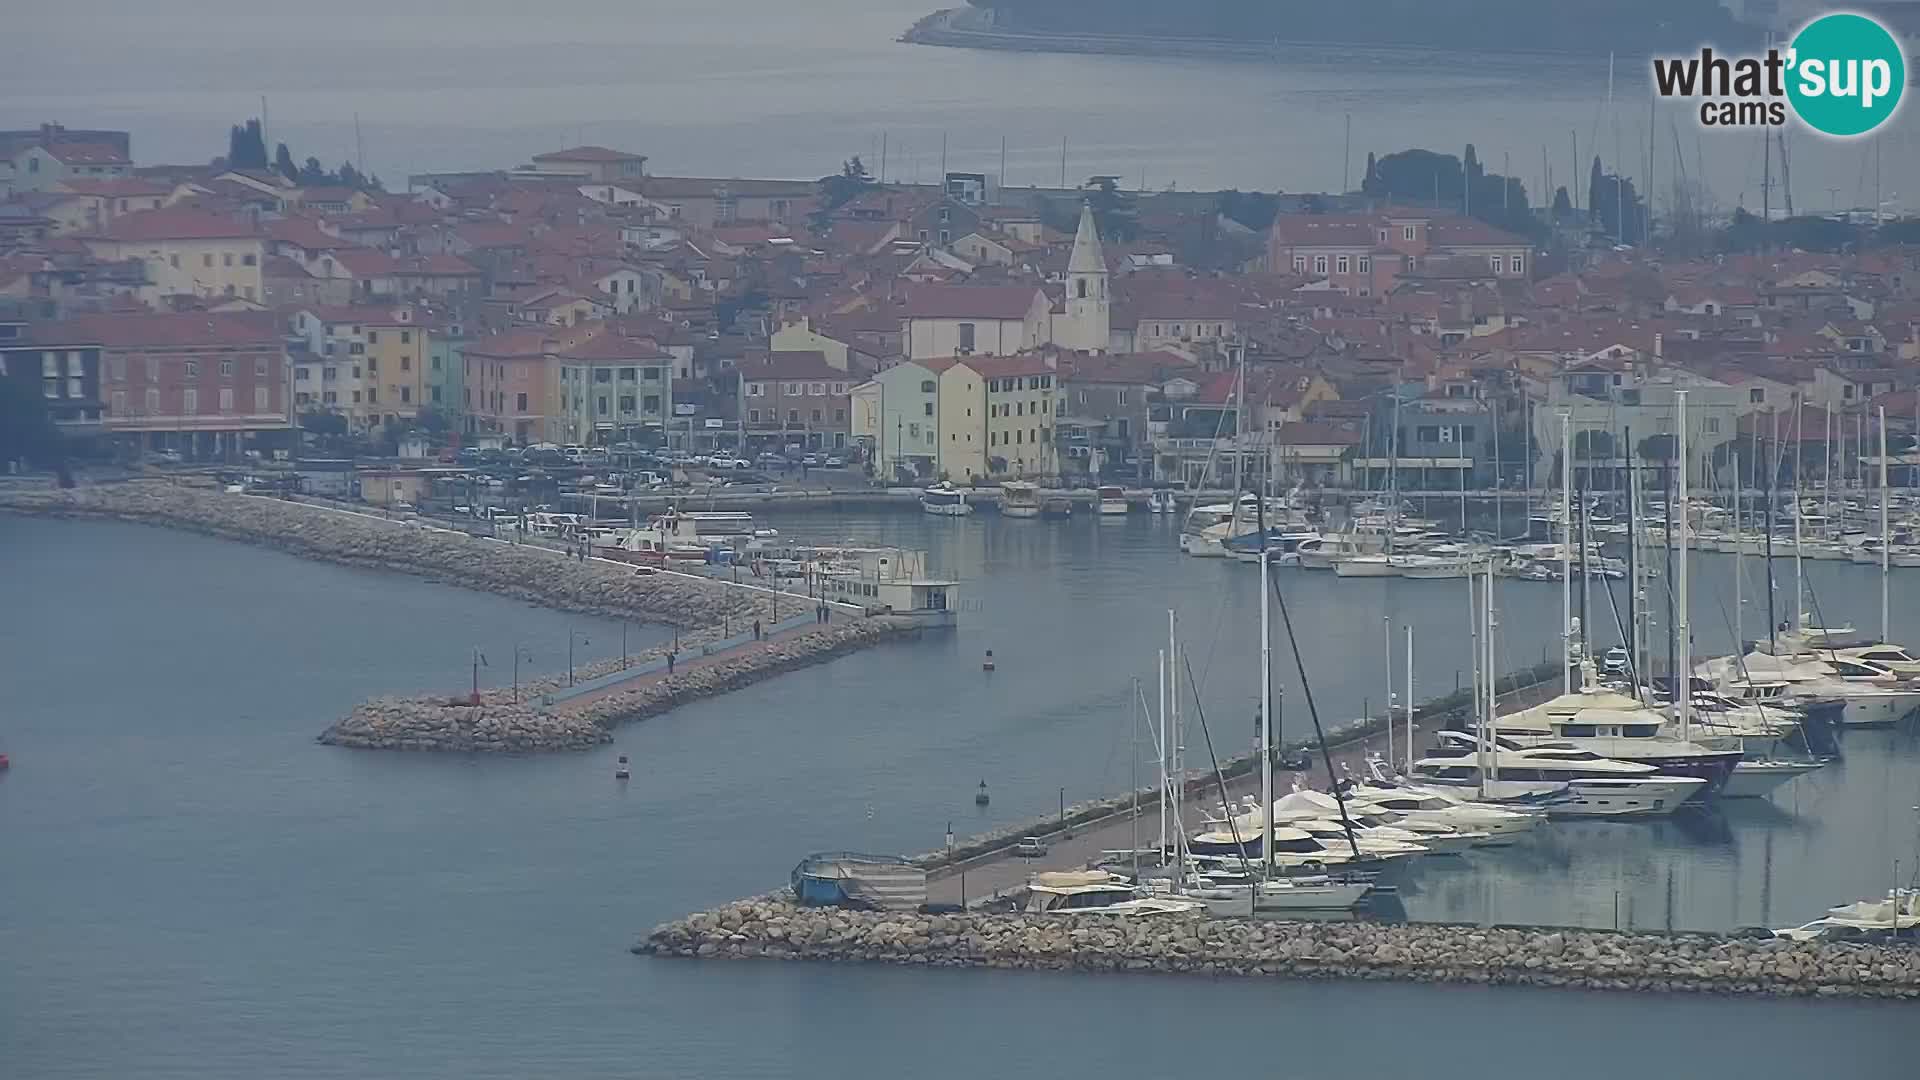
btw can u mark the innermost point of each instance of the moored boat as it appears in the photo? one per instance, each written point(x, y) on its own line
point(945, 500)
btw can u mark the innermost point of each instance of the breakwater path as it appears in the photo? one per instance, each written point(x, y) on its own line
point(713, 619)
point(776, 929)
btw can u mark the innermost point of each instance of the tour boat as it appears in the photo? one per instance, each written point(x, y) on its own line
point(1112, 500)
point(1019, 499)
point(945, 500)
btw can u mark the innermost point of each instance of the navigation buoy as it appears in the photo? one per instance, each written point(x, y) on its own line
point(980, 797)
point(620, 770)
point(987, 664)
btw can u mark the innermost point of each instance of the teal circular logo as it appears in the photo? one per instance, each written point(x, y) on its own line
point(1845, 74)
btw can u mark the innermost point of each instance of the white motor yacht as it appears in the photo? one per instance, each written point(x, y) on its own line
point(1873, 696)
point(1111, 500)
point(1413, 806)
point(1898, 912)
point(1758, 779)
point(1596, 786)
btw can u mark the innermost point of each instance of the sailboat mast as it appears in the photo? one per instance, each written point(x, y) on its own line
point(1799, 616)
point(1886, 534)
point(1163, 753)
point(1473, 637)
point(1266, 715)
point(1739, 565)
point(1493, 682)
point(1566, 550)
point(1133, 774)
point(1409, 705)
point(1387, 626)
point(1773, 476)
point(1683, 673)
point(1175, 785)
point(1633, 562)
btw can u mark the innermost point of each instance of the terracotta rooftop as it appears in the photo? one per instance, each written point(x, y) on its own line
point(176, 223)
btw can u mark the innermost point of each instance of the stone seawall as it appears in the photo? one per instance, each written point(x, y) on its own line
point(775, 929)
point(502, 724)
point(703, 610)
point(524, 572)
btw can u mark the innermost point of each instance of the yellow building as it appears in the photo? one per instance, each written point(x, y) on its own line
point(367, 363)
point(187, 251)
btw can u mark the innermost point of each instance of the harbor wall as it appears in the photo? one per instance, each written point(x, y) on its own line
point(703, 610)
point(1754, 962)
point(500, 723)
point(1340, 738)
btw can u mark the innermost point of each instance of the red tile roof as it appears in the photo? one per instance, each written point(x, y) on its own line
point(1000, 367)
point(589, 153)
point(124, 187)
point(176, 223)
point(86, 153)
point(1005, 302)
point(792, 364)
point(167, 330)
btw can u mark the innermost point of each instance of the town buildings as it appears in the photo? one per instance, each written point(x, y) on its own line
point(958, 328)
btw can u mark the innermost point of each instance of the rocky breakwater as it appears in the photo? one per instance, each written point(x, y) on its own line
point(526, 572)
point(502, 722)
point(775, 928)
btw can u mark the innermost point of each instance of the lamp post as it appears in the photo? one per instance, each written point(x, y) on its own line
point(584, 640)
point(518, 650)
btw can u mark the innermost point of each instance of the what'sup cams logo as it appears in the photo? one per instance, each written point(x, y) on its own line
point(1842, 75)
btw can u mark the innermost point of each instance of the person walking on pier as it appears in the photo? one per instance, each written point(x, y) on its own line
point(756, 629)
point(670, 657)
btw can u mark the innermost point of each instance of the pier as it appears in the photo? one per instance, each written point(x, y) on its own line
point(715, 650)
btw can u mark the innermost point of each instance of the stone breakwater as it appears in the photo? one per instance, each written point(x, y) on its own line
point(703, 610)
point(525, 572)
point(775, 929)
point(501, 724)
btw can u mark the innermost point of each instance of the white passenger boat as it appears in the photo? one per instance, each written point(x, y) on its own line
point(1019, 499)
point(945, 500)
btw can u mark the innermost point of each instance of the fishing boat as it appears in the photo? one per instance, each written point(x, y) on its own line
point(945, 500)
point(1019, 499)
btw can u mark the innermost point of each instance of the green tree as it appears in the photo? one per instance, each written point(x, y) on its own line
point(246, 146)
point(839, 189)
point(283, 164)
point(1370, 183)
point(314, 174)
point(1113, 210)
point(1562, 204)
point(27, 432)
point(320, 422)
point(348, 176)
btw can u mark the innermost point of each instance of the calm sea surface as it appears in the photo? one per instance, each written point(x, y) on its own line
point(760, 88)
point(189, 886)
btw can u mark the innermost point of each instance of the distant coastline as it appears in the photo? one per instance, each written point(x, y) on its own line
point(973, 28)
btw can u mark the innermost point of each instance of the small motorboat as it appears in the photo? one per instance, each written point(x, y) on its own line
point(980, 797)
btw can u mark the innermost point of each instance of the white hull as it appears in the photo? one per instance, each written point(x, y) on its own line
point(1366, 566)
point(1019, 511)
point(1201, 547)
point(1112, 507)
point(1878, 710)
point(1656, 797)
point(1758, 779)
point(1281, 896)
point(947, 509)
point(1437, 570)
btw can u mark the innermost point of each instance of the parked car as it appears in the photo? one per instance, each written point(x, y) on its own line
point(810, 459)
point(167, 457)
point(835, 461)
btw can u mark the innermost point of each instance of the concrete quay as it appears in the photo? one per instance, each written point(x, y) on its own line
point(771, 928)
